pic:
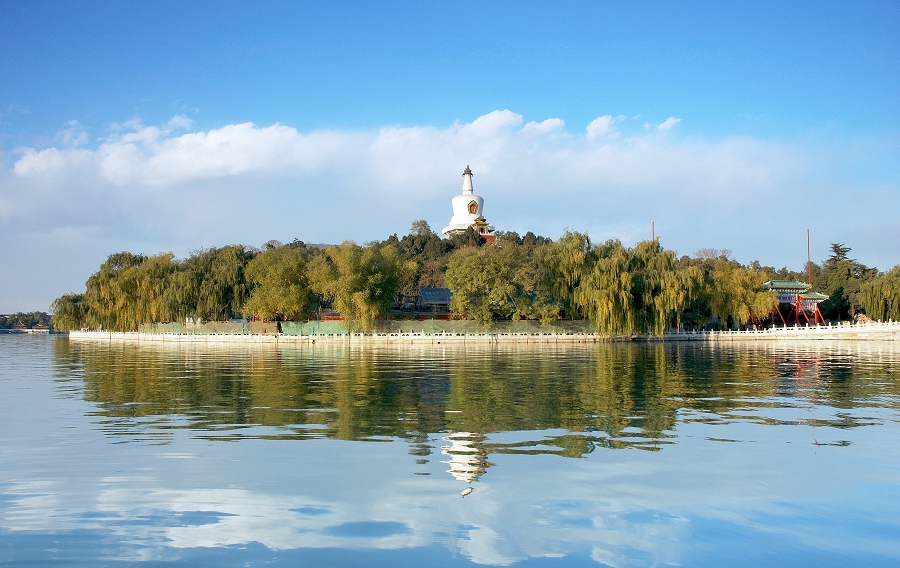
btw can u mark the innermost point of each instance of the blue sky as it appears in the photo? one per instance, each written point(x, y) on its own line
point(113, 117)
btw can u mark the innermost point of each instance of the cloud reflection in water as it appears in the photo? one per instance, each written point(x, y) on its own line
point(288, 487)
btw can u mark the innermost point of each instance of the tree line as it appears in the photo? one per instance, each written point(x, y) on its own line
point(623, 290)
point(29, 320)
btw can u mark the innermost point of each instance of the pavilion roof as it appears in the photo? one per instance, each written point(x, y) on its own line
point(786, 285)
point(813, 296)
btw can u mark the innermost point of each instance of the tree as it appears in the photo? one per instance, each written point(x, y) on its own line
point(841, 277)
point(281, 288)
point(470, 238)
point(531, 240)
point(605, 293)
point(659, 293)
point(211, 284)
point(711, 253)
point(360, 281)
point(735, 292)
point(481, 281)
point(127, 290)
point(623, 290)
point(839, 252)
point(508, 236)
point(153, 278)
point(500, 281)
point(420, 228)
point(69, 311)
point(427, 251)
point(880, 296)
point(111, 294)
point(29, 320)
point(565, 263)
point(630, 290)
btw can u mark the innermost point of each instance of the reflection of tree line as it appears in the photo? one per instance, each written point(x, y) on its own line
point(611, 395)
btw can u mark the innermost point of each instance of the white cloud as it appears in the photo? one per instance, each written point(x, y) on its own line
point(149, 158)
point(492, 123)
point(549, 126)
point(669, 123)
point(603, 126)
point(152, 188)
point(73, 135)
point(179, 121)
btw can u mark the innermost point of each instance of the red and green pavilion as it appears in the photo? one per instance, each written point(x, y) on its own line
point(804, 303)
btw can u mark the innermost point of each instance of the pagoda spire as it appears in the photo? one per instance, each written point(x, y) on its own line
point(467, 181)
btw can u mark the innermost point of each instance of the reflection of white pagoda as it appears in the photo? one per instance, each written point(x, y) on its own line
point(468, 460)
point(468, 212)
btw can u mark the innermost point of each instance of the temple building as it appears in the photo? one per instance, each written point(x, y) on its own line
point(468, 212)
point(803, 303)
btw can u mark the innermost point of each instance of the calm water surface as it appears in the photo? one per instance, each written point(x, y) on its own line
point(617, 455)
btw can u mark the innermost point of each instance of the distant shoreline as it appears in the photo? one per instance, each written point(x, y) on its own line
point(872, 331)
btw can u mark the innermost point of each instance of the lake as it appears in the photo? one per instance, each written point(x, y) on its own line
point(755, 454)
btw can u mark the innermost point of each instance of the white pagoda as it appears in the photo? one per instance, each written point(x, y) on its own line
point(468, 459)
point(467, 212)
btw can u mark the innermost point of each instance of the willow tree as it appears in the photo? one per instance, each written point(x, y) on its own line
point(880, 296)
point(636, 290)
point(153, 280)
point(692, 283)
point(362, 282)
point(111, 294)
point(605, 293)
point(211, 284)
point(660, 294)
point(565, 262)
point(69, 311)
point(734, 291)
point(183, 292)
point(281, 285)
point(127, 290)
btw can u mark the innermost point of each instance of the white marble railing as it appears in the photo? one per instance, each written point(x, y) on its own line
point(844, 330)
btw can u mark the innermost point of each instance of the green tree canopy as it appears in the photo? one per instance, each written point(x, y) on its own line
point(880, 296)
point(69, 312)
point(427, 251)
point(211, 283)
point(735, 292)
point(361, 282)
point(281, 286)
point(841, 278)
point(636, 290)
point(623, 290)
point(605, 293)
point(112, 293)
point(500, 281)
point(563, 264)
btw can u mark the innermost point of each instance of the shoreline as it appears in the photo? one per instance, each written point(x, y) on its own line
point(874, 331)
